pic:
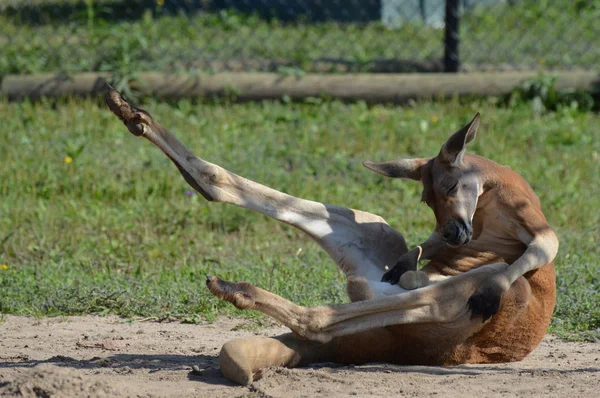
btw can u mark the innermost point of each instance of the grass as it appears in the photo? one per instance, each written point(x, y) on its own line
point(104, 37)
point(97, 221)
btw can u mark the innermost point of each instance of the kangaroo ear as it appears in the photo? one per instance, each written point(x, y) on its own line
point(402, 168)
point(454, 149)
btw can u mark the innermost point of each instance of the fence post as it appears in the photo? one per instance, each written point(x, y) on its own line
point(451, 39)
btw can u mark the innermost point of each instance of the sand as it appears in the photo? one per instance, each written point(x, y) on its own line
point(113, 357)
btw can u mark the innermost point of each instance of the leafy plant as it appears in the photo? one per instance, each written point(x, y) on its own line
point(542, 94)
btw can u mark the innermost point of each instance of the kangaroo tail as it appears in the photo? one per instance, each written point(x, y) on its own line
point(242, 360)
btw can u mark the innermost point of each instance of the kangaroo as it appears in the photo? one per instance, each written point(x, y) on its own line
point(486, 295)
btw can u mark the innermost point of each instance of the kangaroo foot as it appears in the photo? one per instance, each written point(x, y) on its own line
point(242, 295)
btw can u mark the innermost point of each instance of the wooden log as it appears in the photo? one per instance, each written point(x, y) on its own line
point(259, 86)
point(53, 85)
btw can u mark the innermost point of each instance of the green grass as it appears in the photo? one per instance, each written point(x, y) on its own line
point(530, 34)
point(114, 231)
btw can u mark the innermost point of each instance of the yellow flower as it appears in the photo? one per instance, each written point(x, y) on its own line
point(3, 267)
point(160, 3)
point(68, 159)
point(434, 119)
point(542, 61)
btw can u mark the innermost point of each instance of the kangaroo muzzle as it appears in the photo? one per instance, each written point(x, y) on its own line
point(457, 233)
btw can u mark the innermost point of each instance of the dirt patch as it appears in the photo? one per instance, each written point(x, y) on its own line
point(51, 381)
point(95, 357)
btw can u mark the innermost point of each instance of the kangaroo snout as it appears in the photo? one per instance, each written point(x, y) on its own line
point(457, 233)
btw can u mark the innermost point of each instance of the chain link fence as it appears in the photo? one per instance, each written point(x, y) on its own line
point(297, 36)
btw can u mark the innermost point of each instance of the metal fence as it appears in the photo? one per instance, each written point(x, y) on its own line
point(297, 36)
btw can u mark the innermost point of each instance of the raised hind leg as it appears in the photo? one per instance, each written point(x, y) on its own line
point(361, 244)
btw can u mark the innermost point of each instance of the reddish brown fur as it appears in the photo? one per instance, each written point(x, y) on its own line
point(526, 308)
point(507, 207)
point(510, 335)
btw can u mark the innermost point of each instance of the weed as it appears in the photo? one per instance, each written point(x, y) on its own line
point(541, 92)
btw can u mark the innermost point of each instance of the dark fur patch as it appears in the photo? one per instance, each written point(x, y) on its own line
point(406, 262)
point(485, 302)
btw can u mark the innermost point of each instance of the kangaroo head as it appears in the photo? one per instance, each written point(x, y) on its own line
point(451, 186)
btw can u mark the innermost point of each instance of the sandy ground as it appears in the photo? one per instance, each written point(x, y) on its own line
point(96, 357)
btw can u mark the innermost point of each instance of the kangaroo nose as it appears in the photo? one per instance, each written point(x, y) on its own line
point(457, 233)
point(451, 233)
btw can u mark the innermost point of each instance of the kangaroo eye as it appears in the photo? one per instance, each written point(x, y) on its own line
point(453, 190)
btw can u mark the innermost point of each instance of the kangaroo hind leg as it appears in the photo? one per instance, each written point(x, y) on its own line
point(361, 244)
